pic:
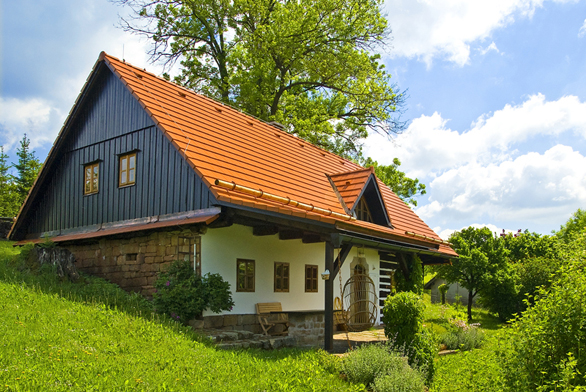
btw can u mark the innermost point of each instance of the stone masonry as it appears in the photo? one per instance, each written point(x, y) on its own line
point(134, 263)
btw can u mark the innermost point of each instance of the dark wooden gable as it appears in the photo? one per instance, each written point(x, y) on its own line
point(109, 121)
point(371, 195)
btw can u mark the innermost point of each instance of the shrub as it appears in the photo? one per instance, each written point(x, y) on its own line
point(370, 364)
point(415, 281)
point(403, 317)
point(548, 339)
point(402, 380)
point(462, 336)
point(183, 295)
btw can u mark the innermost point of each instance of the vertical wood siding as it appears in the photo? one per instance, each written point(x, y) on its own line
point(111, 123)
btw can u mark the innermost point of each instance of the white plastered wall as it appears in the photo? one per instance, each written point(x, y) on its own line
point(220, 248)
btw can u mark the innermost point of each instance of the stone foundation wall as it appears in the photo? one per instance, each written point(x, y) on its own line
point(308, 328)
point(133, 263)
point(229, 322)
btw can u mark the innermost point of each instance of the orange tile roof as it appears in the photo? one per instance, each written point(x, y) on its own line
point(222, 143)
point(350, 184)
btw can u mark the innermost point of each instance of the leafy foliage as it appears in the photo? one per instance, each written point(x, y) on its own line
point(462, 336)
point(414, 281)
point(483, 258)
point(381, 368)
point(403, 319)
point(404, 187)
point(573, 226)
point(548, 339)
point(305, 64)
point(184, 295)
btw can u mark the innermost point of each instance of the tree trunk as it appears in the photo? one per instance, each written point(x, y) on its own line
point(470, 298)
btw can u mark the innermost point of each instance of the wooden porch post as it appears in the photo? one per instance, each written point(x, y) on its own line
point(329, 299)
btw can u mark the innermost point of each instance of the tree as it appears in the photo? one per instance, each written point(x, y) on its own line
point(27, 168)
point(306, 64)
point(482, 258)
point(8, 197)
point(573, 226)
point(404, 187)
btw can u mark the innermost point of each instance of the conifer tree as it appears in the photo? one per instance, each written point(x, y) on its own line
point(27, 168)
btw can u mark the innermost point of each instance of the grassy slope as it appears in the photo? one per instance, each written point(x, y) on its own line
point(54, 343)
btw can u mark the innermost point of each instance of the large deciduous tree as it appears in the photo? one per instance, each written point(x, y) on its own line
point(483, 258)
point(308, 64)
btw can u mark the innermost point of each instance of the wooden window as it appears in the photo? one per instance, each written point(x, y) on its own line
point(91, 178)
point(282, 277)
point(245, 275)
point(127, 170)
point(362, 211)
point(310, 278)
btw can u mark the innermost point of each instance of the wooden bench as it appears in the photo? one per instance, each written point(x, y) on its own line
point(270, 314)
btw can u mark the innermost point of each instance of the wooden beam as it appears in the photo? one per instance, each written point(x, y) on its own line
point(286, 234)
point(344, 251)
point(329, 300)
point(310, 238)
point(265, 230)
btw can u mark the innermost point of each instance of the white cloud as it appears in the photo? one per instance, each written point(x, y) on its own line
point(446, 233)
point(492, 172)
point(531, 188)
point(35, 117)
point(428, 29)
point(582, 31)
point(429, 147)
point(490, 47)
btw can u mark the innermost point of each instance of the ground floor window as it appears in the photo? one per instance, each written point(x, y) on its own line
point(282, 277)
point(245, 275)
point(310, 278)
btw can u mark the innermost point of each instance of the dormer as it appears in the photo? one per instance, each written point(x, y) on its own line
point(360, 195)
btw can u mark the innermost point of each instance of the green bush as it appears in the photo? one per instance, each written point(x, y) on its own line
point(183, 295)
point(415, 281)
point(402, 380)
point(548, 340)
point(370, 364)
point(462, 336)
point(403, 317)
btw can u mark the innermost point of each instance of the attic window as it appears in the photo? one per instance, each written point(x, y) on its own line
point(91, 178)
point(362, 211)
point(127, 170)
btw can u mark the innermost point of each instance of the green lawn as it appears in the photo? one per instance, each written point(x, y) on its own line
point(64, 337)
point(471, 371)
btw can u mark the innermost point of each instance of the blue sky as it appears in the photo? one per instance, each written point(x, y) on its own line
point(496, 108)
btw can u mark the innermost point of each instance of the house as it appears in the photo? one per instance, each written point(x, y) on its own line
point(455, 293)
point(144, 172)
